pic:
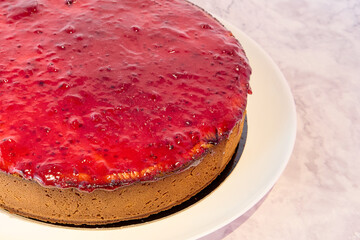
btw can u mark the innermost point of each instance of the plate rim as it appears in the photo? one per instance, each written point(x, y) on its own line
point(168, 222)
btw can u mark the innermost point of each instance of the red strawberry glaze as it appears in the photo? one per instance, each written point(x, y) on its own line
point(101, 93)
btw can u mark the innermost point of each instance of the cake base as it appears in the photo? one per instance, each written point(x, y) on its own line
point(120, 206)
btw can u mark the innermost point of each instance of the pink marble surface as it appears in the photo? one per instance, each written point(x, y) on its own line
point(316, 44)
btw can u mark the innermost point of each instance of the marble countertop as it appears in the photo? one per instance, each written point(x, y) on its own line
point(316, 45)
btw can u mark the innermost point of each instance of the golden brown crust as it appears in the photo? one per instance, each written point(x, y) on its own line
point(71, 206)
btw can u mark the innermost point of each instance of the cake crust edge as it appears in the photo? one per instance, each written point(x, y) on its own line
point(100, 207)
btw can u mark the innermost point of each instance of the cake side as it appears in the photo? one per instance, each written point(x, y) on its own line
point(71, 206)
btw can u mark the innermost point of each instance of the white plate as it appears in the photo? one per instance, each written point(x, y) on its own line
point(271, 136)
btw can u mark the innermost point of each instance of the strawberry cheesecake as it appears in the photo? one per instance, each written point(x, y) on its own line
point(114, 110)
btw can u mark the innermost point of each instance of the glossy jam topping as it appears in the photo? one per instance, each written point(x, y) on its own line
point(102, 93)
